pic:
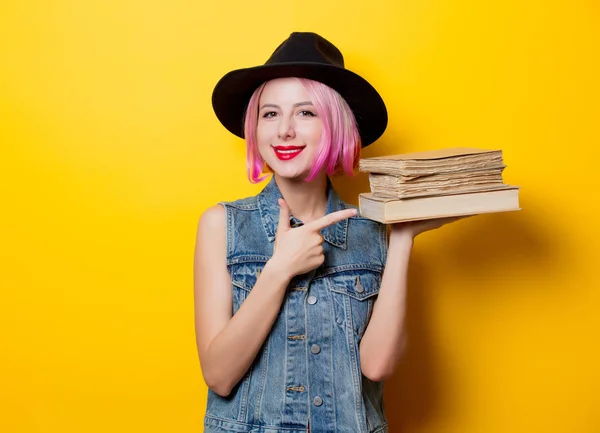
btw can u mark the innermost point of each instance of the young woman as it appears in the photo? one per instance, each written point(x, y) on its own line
point(299, 301)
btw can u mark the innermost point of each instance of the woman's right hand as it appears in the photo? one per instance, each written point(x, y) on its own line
point(299, 250)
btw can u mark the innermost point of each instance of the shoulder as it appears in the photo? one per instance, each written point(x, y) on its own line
point(213, 219)
point(366, 228)
point(246, 203)
point(365, 222)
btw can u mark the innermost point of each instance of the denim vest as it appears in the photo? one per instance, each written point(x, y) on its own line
point(308, 370)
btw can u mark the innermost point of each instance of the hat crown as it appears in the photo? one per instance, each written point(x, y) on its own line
point(309, 48)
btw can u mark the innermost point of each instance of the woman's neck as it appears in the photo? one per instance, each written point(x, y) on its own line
point(307, 200)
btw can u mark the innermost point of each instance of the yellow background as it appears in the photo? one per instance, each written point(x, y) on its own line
point(110, 152)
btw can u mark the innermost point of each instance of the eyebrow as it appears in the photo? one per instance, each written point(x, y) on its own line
point(297, 104)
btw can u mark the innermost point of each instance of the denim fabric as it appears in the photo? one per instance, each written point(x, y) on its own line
point(308, 370)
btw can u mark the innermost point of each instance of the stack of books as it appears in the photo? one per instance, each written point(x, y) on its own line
point(436, 184)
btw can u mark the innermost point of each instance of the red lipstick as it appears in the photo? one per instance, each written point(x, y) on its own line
point(285, 153)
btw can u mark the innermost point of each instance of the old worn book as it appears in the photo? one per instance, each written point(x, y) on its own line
point(451, 160)
point(390, 210)
point(386, 185)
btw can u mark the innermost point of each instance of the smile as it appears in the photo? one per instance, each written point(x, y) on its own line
point(285, 153)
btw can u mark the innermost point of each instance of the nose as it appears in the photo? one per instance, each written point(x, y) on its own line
point(285, 129)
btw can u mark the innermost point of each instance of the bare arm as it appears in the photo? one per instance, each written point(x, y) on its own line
point(384, 338)
point(227, 345)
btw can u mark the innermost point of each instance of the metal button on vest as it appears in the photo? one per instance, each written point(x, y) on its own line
point(312, 300)
point(317, 401)
point(315, 348)
point(358, 286)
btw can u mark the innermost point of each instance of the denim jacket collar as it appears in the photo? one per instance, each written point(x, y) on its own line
point(334, 234)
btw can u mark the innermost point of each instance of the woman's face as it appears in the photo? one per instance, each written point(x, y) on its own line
point(288, 129)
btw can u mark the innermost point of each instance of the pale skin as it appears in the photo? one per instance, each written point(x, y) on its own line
point(228, 344)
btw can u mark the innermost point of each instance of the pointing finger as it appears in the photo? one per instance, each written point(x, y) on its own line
point(284, 216)
point(332, 218)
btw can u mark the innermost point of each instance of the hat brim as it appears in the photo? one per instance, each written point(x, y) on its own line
point(233, 92)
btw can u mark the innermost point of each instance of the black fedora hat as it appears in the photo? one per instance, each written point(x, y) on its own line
point(302, 55)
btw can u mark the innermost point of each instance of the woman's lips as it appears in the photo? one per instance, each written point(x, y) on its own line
point(285, 153)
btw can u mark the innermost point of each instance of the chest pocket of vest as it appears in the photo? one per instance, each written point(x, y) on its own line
point(354, 293)
point(243, 278)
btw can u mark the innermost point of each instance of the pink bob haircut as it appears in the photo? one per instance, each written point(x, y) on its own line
point(340, 145)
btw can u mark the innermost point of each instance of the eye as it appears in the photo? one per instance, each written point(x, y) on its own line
point(306, 113)
point(269, 114)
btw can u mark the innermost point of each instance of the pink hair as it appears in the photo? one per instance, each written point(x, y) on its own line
point(340, 145)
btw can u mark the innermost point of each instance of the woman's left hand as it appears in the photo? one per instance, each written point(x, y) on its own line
point(414, 228)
